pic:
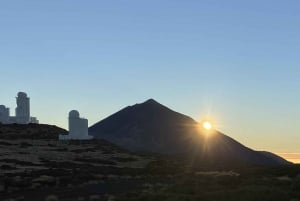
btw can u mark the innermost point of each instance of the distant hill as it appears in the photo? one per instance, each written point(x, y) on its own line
point(30, 131)
point(152, 127)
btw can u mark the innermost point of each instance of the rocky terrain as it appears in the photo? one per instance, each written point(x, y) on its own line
point(95, 170)
point(144, 165)
point(30, 168)
point(30, 131)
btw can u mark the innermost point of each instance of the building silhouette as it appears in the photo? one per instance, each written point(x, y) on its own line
point(78, 128)
point(22, 111)
point(23, 108)
point(4, 114)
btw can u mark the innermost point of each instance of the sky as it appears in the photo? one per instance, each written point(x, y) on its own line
point(235, 61)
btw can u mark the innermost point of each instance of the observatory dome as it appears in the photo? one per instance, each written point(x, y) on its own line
point(22, 94)
point(74, 114)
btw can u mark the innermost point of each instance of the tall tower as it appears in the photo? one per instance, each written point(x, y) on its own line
point(23, 108)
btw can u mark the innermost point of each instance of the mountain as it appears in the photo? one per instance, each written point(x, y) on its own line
point(274, 156)
point(152, 127)
point(30, 131)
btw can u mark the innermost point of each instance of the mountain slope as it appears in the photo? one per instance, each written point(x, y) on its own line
point(30, 131)
point(152, 127)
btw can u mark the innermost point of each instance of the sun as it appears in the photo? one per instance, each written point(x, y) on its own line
point(207, 125)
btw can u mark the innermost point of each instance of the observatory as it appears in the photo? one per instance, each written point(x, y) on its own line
point(4, 114)
point(23, 108)
point(22, 112)
point(78, 128)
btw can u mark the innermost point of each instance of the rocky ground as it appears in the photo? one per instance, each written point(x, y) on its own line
point(33, 167)
point(30, 131)
point(48, 170)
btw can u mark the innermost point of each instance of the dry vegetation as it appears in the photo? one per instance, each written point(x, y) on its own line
point(37, 169)
point(36, 166)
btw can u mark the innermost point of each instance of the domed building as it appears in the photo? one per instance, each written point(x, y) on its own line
point(74, 114)
point(78, 128)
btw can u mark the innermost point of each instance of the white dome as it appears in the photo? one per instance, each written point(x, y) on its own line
point(74, 114)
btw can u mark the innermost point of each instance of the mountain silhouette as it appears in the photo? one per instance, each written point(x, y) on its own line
point(152, 127)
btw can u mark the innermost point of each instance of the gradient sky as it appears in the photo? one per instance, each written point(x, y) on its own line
point(236, 61)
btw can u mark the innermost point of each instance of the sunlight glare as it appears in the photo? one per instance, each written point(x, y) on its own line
point(207, 125)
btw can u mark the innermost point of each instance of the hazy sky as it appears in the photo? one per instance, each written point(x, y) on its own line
point(237, 61)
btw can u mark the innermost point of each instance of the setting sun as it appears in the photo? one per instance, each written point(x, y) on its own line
point(207, 125)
